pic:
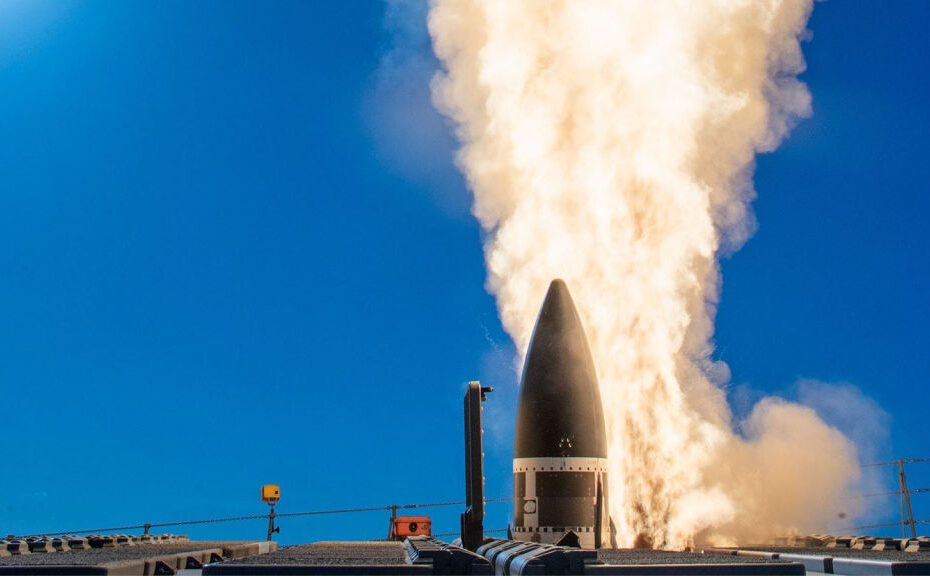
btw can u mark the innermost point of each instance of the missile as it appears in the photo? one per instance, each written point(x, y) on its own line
point(560, 445)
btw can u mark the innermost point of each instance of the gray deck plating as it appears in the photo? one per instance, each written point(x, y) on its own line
point(333, 554)
point(97, 556)
point(641, 556)
point(849, 561)
point(326, 558)
point(134, 559)
point(886, 555)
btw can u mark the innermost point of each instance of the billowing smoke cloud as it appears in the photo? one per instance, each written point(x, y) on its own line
point(612, 144)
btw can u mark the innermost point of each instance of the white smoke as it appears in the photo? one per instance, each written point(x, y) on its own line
point(612, 144)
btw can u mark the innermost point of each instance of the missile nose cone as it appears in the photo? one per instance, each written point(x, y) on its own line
point(559, 413)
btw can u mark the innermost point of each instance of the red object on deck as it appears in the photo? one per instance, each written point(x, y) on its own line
point(404, 526)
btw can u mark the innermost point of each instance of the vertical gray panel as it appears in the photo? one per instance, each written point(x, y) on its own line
point(519, 491)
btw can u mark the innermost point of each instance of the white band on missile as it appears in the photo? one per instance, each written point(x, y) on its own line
point(560, 464)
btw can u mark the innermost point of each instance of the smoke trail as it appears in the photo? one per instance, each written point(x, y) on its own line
point(612, 144)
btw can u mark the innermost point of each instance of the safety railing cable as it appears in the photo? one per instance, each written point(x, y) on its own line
point(890, 493)
point(147, 526)
point(896, 462)
point(888, 525)
point(447, 534)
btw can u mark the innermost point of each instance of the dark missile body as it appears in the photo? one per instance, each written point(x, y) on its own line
point(560, 446)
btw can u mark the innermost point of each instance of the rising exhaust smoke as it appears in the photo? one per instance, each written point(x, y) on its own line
point(612, 144)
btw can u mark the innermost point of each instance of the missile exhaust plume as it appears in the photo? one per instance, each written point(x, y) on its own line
point(612, 144)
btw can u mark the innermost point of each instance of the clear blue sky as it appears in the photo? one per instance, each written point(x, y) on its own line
point(233, 252)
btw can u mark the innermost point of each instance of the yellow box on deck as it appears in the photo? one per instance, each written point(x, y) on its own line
point(271, 493)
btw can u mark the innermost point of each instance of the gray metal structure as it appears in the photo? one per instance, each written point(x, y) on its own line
point(472, 520)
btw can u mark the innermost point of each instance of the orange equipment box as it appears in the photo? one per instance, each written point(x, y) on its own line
point(404, 526)
point(271, 493)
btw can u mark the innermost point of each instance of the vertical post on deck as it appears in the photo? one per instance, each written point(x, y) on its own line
point(472, 520)
point(905, 503)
